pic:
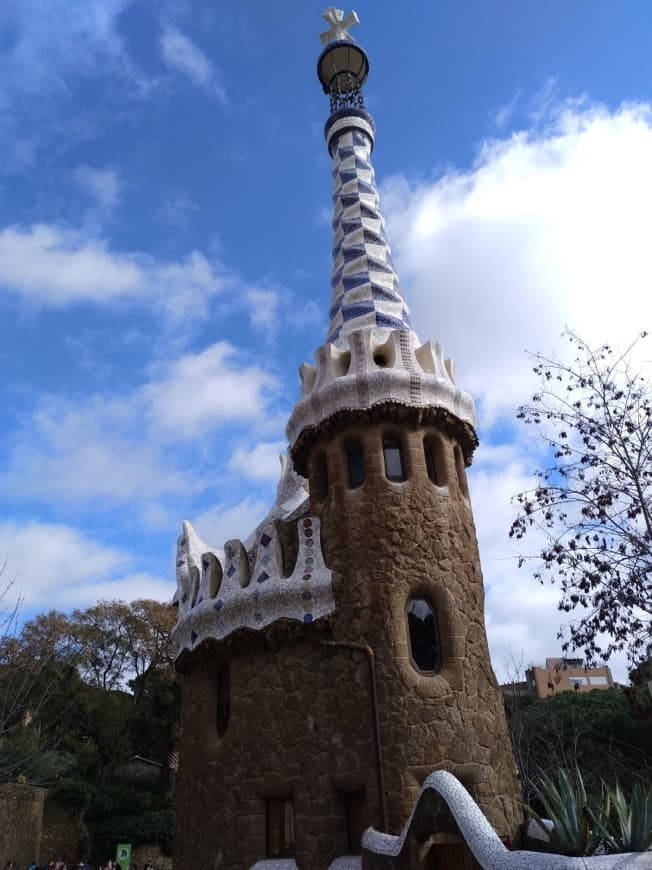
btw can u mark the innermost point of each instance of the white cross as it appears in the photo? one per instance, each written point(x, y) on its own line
point(338, 25)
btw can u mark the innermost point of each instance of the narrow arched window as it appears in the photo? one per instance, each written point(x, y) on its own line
point(435, 460)
point(355, 462)
point(319, 478)
point(223, 698)
point(393, 453)
point(423, 631)
point(461, 471)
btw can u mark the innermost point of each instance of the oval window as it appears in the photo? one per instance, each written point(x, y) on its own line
point(425, 648)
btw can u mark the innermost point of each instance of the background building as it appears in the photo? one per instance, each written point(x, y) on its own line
point(563, 675)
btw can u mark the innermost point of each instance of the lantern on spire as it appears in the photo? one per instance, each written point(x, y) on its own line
point(343, 65)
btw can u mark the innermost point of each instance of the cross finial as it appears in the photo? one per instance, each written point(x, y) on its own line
point(339, 25)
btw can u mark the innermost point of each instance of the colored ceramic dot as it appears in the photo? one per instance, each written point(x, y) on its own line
point(307, 596)
point(307, 523)
point(309, 560)
point(307, 617)
point(308, 533)
point(219, 604)
point(306, 577)
point(309, 542)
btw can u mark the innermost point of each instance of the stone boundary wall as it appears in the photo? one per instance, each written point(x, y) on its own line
point(21, 819)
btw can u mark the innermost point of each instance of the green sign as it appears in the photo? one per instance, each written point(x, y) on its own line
point(123, 855)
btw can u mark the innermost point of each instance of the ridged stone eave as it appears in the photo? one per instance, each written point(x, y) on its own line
point(383, 412)
point(386, 371)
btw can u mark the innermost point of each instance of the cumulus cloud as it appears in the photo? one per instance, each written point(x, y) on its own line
point(223, 522)
point(89, 451)
point(52, 266)
point(116, 449)
point(260, 462)
point(548, 228)
point(180, 53)
point(202, 390)
point(49, 559)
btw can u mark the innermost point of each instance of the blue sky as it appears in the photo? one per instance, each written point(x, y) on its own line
point(165, 255)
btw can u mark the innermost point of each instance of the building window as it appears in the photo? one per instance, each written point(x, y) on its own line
point(394, 465)
point(223, 698)
point(355, 807)
point(280, 828)
point(461, 471)
point(598, 680)
point(435, 460)
point(320, 476)
point(355, 460)
point(425, 648)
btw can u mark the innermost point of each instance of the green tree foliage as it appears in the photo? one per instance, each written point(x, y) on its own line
point(601, 733)
point(97, 686)
point(592, 504)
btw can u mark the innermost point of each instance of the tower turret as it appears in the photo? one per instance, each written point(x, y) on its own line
point(338, 655)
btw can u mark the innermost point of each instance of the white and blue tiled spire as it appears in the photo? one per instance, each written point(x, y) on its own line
point(365, 286)
point(371, 357)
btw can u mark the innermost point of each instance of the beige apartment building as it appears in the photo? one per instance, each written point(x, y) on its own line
point(564, 675)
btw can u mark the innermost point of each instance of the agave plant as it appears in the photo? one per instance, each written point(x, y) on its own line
point(626, 826)
point(565, 804)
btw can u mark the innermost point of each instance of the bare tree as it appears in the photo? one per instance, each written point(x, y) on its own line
point(593, 500)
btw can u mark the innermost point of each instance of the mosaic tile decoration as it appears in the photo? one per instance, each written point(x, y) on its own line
point(372, 354)
point(350, 377)
point(250, 590)
point(365, 286)
point(489, 851)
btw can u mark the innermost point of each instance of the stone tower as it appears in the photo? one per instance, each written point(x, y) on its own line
point(338, 655)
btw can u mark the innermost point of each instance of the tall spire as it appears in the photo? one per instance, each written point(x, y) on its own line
point(365, 286)
point(372, 358)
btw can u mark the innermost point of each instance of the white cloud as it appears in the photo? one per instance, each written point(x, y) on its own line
point(90, 451)
point(61, 566)
point(102, 185)
point(200, 391)
point(222, 523)
point(180, 53)
point(51, 266)
point(260, 462)
point(117, 449)
point(548, 228)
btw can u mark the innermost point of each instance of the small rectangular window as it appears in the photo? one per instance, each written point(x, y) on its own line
point(320, 477)
point(280, 828)
point(598, 680)
point(355, 458)
point(394, 469)
point(355, 806)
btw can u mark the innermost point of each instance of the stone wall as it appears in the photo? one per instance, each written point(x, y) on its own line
point(21, 813)
point(300, 727)
point(386, 542)
point(63, 834)
point(140, 855)
point(301, 719)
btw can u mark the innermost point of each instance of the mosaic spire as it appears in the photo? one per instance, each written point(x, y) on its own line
point(372, 358)
point(365, 286)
